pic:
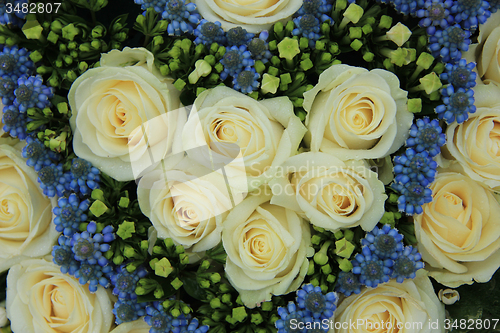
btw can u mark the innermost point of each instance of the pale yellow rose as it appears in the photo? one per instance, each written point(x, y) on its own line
point(332, 194)
point(266, 248)
point(26, 230)
point(458, 232)
point(187, 203)
point(260, 134)
point(42, 299)
point(124, 115)
point(137, 326)
point(357, 114)
point(411, 306)
point(486, 52)
point(475, 143)
point(252, 15)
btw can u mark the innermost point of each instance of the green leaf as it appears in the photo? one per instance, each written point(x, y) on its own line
point(192, 287)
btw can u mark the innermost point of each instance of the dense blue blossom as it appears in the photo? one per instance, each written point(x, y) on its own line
point(494, 5)
point(15, 122)
point(70, 213)
point(307, 26)
point(157, 5)
point(182, 17)
point(413, 196)
point(126, 310)
point(413, 166)
point(385, 242)
point(8, 83)
point(36, 153)
point(406, 7)
point(209, 32)
point(460, 75)
point(406, 264)
point(435, 13)
point(457, 104)
point(124, 282)
point(426, 135)
point(286, 316)
point(312, 299)
point(11, 12)
point(449, 43)
point(32, 92)
point(52, 180)
point(321, 9)
point(62, 255)
point(348, 283)
point(471, 13)
point(84, 177)
point(159, 320)
point(186, 326)
point(238, 36)
point(371, 269)
point(259, 48)
point(234, 60)
point(15, 62)
point(246, 81)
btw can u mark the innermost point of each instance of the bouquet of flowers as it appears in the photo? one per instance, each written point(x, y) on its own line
point(249, 166)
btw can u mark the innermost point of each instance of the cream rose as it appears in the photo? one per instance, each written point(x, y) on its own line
point(26, 230)
point(137, 326)
point(253, 15)
point(486, 53)
point(332, 194)
point(42, 299)
point(411, 306)
point(124, 115)
point(266, 248)
point(354, 113)
point(475, 143)
point(458, 232)
point(187, 204)
point(259, 134)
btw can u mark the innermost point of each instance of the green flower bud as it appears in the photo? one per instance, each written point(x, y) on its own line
point(52, 37)
point(33, 30)
point(239, 313)
point(356, 44)
point(310, 269)
point(215, 303)
point(163, 268)
point(399, 34)
point(345, 265)
point(425, 60)
point(344, 248)
point(430, 83)
point(368, 56)
point(85, 47)
point(175, 312)
point(215, 278)
point(270, 84)
point(226, 298)
point(288, 48)
point(95, 44)
point(202, 69)
point(98, 31)
point(355, 32)
point(267, 306)
point(176, 283)
point(129, 252)
point(70, 31)
point(204, 283)
point(414, 105)
point(56, 26)
point(256, 318)
point(168, 242)
point(122, 36)
point(98, 208)
point(385, 22)
point(68, 60)
point(118, 260)
point(224, 288)
point(353, 14)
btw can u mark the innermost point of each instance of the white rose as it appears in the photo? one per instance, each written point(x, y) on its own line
point(357, 114)
point(260, 134)
point(475, 143)
point(331, 193)
point(252, 15)
point(26, 230)
point(123, 115)
point(411, 306)
point(42, 299)
point(486, 53)
point(266, 248)
point(137, 326)
point(187, 204)
point(458, 232)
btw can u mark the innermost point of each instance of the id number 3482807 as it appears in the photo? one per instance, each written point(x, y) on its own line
point(33, 8)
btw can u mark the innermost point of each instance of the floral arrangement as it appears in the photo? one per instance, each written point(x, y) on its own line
point(249, 166)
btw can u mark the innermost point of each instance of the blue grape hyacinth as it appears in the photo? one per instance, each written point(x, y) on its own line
point(385, 242)
point(413, 196)
point(15, 62)
point(449, 43)
point(70, 213)
point(126, 310)
point(426, 135)
point(246, 81)
point(124, 282)
point(207, 33)
point(84, 177)
point(458, 103)
point(32, 92)
point(15, 122)
point(371, 269)
point(287, 314)
point(435, 13)
point(159, 320)
point(311, 299)
point(348, 283)
point(406, 264)
point(461, 74)
point(413, 166)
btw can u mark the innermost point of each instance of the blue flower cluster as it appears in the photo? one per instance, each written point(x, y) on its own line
point(11, 12)
point(382, 257)
point(162, 322)
point(82, 255)
point(415, 169)
point(309, 17)
point(312, 306)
